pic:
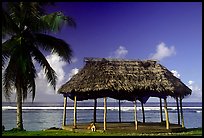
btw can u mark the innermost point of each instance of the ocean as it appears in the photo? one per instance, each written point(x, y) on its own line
point(39, 116)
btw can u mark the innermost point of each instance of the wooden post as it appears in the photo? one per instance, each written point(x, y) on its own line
point(178, 110)
point(95, 104)
point(135, 105)
point(75, 111)
point(119, 112)
point(64, 114)
point(166, 114)
point(161, 110)
point(105, 109)
point(182, 119)
point(143, 114)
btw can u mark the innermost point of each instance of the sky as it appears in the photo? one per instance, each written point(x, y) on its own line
point(170, 32)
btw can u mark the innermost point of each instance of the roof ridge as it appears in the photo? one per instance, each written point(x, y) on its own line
point(115, 59)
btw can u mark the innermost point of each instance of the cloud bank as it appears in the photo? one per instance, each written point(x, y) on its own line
point(120, 52)
point(175, 73)
point(163, 51)
point(72, 73)
point(196, 95)
point(57, 64)
point(43, 89)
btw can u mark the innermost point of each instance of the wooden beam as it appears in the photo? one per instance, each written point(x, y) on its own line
point(119, 112)
point(143, 114)
point(94, 115)
point(161, 109)
point(177, 104)
point(182, 119)
point(105, 109)
point(135, 105)
point(75, 112)
point(64, 113)
point(166, 114)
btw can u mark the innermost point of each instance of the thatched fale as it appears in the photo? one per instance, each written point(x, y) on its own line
point(123, 79)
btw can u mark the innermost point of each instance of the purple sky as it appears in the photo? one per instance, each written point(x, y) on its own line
point(166, 31)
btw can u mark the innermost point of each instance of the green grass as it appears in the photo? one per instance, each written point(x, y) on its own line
point(188, 132)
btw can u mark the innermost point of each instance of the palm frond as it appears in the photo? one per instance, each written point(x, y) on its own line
point(10, 50)
point(29, 76)
point(25, 21)
point(8, 25)
point(55, 21)
point(55, 45)
point(8, 80)
point(7, 47)
point(49, 72)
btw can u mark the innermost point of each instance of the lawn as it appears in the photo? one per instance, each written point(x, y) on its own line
point(187, 132)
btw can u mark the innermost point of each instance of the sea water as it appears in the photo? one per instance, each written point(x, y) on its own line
point(39, 116)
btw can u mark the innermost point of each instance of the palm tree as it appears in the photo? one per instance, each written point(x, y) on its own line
point(26, 26)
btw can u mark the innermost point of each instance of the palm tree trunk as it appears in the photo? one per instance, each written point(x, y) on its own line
point(19, 110)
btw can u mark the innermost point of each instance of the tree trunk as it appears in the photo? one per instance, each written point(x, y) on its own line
point(19, 110)
point(75, 111)
point(161, 110)
point(94, 115)
point(119, 112)
point(166, 114)
point(182, 119)
point(178, 110)
point(65, 111)
point(143, 113)
point(135, 105)
point(104, 118)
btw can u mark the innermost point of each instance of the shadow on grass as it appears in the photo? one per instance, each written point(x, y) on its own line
point(192, 129)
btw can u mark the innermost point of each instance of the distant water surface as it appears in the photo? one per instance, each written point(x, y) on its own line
point(38, 116)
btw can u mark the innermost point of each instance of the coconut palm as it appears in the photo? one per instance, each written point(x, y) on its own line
point(26, 27)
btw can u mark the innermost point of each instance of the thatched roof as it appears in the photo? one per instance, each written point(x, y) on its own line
point(123, 79)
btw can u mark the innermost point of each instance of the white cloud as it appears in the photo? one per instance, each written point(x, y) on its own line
point(3, 40)
point(190, 82)
point(72, 72)
point(163, 51)
point(175, 73)
point(43, 89)
point(193, 86)
point(74, 60)
point(57, 64)
point(196, 95)
point(121, 52)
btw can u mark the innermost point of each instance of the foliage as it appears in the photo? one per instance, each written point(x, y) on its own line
point(25, 29)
